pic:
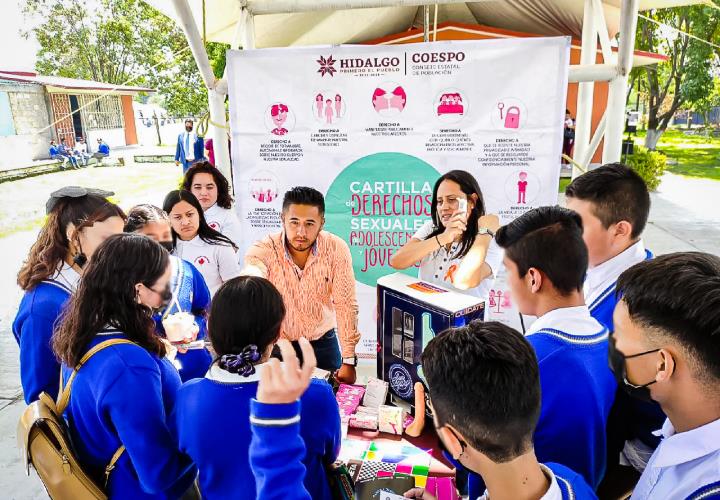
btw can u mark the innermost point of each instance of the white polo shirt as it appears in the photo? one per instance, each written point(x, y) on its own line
point(602, 277)
point(685, 465)
point(438, 266)
point(217, 263)
point(225, 221)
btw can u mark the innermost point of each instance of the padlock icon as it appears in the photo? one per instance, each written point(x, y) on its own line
point(512, 117)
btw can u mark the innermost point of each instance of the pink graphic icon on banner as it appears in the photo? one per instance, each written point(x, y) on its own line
point(279, 112)
point(512, 117)
point(338, 105)
point(450, 104)
point(328, 111)
point(522, 187)
point(394, 101)
point(319, 104)
point(499, 300)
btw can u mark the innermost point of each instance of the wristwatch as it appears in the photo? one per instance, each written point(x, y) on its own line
point(350, 361)
point(484, 230)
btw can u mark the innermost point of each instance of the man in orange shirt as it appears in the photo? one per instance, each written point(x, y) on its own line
point(313, 271)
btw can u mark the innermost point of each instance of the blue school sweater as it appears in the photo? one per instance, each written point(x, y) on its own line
point(572, 485)
point(212, 425)
point(603, 306)
point(34, 323)
point(577, 389)
point(277, 451)
point(191, 294)
point(123, 395)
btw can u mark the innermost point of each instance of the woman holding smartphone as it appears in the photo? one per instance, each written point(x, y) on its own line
point(456, 248)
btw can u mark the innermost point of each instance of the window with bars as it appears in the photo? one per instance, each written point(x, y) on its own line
point(101, 113)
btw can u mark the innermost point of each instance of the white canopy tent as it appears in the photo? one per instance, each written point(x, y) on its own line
point(281, 23)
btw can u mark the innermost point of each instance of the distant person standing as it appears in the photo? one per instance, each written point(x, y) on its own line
point(568, 135)
point(190, 147)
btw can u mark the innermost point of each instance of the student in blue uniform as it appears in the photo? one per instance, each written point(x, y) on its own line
point(78, 220)
point(546, 259)
point(190, 293)
point(614, 204)
point(211, 414)
point(123, 394)
point(277, 448)
point(484, 383)
point(667, 348)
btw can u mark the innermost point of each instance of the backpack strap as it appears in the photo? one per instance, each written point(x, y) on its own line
point(64, 398)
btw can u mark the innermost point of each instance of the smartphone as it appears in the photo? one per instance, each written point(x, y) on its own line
point(462, 205)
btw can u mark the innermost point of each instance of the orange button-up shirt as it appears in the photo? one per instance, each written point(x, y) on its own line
point(317, 298)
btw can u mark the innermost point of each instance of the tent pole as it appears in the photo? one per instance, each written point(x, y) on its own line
point(216, 98)
point(583, 119)
point(617, 92)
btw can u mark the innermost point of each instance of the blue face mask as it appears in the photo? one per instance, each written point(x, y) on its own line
point(619, 369)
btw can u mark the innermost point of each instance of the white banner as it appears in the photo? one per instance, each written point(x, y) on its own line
point(373, 127)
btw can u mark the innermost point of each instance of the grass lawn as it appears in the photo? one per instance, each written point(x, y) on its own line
point(692, 155)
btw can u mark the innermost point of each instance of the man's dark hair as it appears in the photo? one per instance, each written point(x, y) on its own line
point(189, 120)
point(303, 195)
point(484, 381)
point(549, 239)
point(617, 193)
point(677, 295)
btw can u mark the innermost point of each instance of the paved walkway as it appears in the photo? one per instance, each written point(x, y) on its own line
point(684, 217)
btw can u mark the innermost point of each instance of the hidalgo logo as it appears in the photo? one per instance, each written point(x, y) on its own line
point(326, 66)
point(400, 381)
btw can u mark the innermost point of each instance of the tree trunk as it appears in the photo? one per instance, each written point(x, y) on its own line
point(652, 137)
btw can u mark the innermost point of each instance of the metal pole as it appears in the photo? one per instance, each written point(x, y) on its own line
point(258, 7)
point(618, 86)
point(426, 23)
point(216, 98)
point(583, 118)
point(592, 73)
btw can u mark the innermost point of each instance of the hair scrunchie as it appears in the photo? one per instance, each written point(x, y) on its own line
point(243, 363)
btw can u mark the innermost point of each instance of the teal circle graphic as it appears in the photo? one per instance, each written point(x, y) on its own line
point(376, 204)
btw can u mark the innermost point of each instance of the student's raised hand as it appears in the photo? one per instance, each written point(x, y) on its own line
point(490, 221)
point(282, 383)
point(418, 493)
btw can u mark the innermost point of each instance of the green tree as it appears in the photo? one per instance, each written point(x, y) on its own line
point(687, 77)
point(120, 41)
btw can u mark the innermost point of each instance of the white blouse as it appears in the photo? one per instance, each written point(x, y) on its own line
point(224, 221)
point(438, 266)
point(216, 262)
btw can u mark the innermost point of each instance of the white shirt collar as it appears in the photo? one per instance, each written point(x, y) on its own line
point(573, 320)
point(67, 276)
point(600, 277)
point(678, 448)
point(552, 493)
point(219, 375)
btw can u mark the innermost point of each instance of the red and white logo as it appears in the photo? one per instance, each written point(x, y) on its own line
point(214, 225)
point(326, 66)
point(201, 261)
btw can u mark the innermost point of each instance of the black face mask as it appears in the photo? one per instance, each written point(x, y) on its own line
point(167, 245)
point(165, 296)
point(189, 129)
point(619, 369)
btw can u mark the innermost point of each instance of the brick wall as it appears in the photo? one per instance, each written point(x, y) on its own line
point(30, 116)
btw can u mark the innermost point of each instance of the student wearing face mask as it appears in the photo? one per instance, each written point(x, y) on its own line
point(212, 190)
point(189, 292)
point(122, 395)
point(666, 347)
point(212, 253)
point(190, 148)
point(78, 221)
